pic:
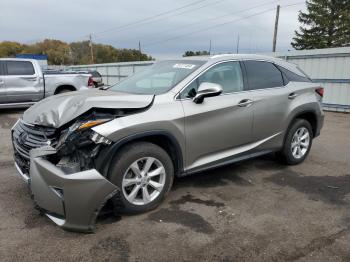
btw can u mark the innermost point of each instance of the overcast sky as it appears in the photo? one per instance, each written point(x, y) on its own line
point(123, 23)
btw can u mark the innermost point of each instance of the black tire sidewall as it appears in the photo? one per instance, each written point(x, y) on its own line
point(121, 163)
point(64, 90)
point(287, 153)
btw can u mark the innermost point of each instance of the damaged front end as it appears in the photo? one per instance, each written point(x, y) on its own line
point(61, 167)
point(71, 200)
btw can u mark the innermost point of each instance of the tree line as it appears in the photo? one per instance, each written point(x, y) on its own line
point(62, 53)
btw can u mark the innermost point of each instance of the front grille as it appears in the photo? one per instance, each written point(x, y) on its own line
point(26, 137)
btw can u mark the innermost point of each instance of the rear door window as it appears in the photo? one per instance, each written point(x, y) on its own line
point(261, 75)
point(20, 68)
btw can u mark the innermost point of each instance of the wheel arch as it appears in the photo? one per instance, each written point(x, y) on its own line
point(311, 117)
point(308, 115)
point(62, 87)
point(158, 137)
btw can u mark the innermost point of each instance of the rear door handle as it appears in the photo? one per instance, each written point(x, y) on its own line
point(245, 103)
point(292, 95)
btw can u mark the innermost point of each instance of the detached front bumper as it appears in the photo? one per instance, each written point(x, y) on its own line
point(72, 201)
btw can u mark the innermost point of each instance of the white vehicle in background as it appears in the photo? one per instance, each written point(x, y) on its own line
point(22, 82)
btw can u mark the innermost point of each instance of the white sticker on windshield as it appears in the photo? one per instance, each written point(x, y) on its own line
point(184, 66)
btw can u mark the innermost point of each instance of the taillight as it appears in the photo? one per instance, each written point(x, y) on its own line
point(320, 91)
point(90, 82)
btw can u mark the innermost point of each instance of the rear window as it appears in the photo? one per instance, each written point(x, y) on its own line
point(293, 76)
point(262, 75)
point(20, 68)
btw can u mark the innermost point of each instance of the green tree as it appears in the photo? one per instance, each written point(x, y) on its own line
point(326, 23)
point(10, 49)
point(58, 52)
point(195, 53)
point(80, 52)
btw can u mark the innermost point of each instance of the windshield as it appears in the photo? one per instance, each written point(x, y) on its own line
point(158, 78)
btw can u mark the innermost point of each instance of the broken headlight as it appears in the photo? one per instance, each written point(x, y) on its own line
point(99, 139)
point(81, 129)
point(87, 124)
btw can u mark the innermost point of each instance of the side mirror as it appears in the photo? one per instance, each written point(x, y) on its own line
point(207, 89)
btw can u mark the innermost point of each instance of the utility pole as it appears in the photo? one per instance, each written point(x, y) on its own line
point(209, 46)
point(140, 51)
point(276, 28)
point(237, 46)
point(91, 50)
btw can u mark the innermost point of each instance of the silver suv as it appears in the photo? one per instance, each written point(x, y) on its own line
point(125, 144)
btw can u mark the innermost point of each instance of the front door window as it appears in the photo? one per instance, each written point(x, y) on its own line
point(228, 75)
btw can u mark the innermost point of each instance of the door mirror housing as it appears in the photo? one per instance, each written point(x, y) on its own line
point(207, 89)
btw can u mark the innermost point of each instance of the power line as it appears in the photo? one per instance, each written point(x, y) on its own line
point(176, 14)
point(298, 3)
point(214, 18)
point(149, 18)
point(208, 28)
point(220, 17)
point(217, 25)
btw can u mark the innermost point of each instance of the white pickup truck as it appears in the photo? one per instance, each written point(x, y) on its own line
point(22, 82)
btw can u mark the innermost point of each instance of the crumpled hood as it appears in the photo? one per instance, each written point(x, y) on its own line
point(58, 110)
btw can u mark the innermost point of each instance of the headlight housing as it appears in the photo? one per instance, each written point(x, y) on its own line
point(87, 124)
point(79, 128)
point(99, 139)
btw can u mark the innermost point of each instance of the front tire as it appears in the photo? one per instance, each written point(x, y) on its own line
point(298, 143)
point(144, 174)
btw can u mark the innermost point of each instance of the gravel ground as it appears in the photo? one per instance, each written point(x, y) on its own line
point(257, 210)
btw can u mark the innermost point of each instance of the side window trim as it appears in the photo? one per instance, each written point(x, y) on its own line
point(178, 96)
point(245, 77)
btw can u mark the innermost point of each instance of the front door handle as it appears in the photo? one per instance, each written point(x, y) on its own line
point(29, 78)
point(292, 95)
point(245, 103)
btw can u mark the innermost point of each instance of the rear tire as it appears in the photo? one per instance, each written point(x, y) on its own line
point(144, 174)
point(297, 143)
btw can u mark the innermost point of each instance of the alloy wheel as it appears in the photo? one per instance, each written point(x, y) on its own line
point(300, 142)
point(143, 181)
